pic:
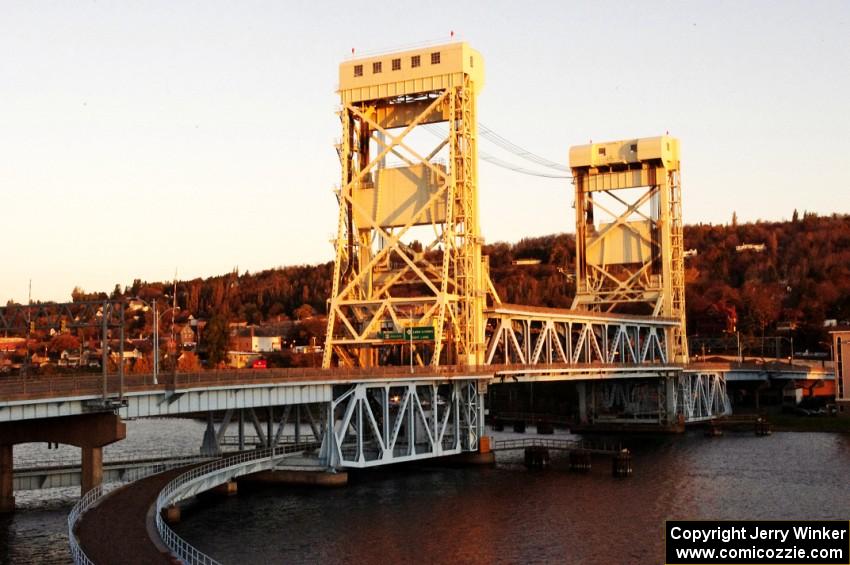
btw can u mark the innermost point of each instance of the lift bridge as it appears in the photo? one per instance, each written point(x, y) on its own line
point(410, 283)
point(416, 330)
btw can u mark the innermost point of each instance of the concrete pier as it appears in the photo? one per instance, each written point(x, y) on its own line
point(90, 432)
point(229, 488)
point(7, 498)
point(92, 468)
point(171, 514)
point(293, 477)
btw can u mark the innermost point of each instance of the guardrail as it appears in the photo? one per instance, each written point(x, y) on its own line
point(175, 490)
point(92, 497)
point(42, 386)
point(557, 444)
point(86, 501)
point(252, 439)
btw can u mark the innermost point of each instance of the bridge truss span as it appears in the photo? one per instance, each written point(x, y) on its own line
point(532, 335)
point(701, 396)
point(396, 421)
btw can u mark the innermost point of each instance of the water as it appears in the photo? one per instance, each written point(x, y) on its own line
point(508, 514)
point(505, 514)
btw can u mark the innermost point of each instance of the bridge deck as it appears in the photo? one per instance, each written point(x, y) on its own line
point(122, 515)
point(55, 386)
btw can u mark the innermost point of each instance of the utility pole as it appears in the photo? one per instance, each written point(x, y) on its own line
point(121, 353)
point(29, 327)
point(740, 352)
point(791, 357)
point(104, 346)
point(155, 343)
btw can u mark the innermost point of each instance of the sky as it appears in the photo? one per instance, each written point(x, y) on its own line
point(142, 138)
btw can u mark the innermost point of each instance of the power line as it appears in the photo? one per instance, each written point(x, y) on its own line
point(437, 132)
point(506, 165)
point(511, 147)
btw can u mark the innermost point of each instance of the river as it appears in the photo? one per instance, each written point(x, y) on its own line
point(504, 514)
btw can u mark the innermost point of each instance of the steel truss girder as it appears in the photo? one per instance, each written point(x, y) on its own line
point(702, 396)
point(625, 400)
point(529, 339)
point(266, 434)
point(689, 397)
point(380, 423)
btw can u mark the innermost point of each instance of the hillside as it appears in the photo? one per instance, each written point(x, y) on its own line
point(800, 278)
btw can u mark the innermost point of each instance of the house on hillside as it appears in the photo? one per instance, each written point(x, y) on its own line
point(756, 247)
point(257, 343)
point(185, 335)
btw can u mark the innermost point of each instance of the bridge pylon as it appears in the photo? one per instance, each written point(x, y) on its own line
point(629, 243)
point(409, 281)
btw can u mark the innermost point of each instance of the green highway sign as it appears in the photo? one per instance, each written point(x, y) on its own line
point(420, 333)
point(391, 335)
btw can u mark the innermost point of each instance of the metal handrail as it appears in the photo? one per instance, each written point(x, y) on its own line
point(565, 444)
point(92, 497)
point(86, 501)
point(27, 388)
point(173, 491)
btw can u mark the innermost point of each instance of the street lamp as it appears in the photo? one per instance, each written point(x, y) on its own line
point(410, 329)
point(156, 318)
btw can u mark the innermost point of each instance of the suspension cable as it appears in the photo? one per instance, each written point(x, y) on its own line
point(437, 132)
point(511, 147)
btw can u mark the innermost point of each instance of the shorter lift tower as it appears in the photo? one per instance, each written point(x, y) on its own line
point(629, 248)
point(409, 281)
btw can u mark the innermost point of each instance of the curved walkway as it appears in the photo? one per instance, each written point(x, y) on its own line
point(116, 530)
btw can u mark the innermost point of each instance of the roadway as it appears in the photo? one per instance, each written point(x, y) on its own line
point(23, 398)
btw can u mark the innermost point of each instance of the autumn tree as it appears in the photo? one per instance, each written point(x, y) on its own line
point(188, 362)
point(304, 312)
point(142, 365)
point(62, 342)
point(215, 339)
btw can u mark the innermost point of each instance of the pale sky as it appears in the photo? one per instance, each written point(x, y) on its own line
point(137, 138)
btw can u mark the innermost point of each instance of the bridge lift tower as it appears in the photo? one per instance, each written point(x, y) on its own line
point(409, 280)
point(629, 248)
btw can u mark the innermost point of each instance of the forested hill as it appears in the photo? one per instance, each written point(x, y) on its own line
point(801, 277)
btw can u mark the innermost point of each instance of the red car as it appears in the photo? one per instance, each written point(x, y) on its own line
point(260, 364)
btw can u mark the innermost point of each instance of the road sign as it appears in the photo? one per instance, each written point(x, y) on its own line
point(420, 333)
point(391, 335)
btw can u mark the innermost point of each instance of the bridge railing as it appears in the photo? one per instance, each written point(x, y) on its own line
point(557, 444)
point(92, 497)
point(86, 501)
point(43, 386)
point(177, 488)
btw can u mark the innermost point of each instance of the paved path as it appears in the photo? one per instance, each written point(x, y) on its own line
point(115, 531)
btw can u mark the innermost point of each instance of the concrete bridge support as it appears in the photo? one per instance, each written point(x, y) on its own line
point(90, 432)
point(92, 468)
point(7, 498)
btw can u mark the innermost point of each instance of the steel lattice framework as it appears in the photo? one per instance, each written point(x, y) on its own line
point(629, 247)
point(531, 336)
point(379, 423)
point(387, 279)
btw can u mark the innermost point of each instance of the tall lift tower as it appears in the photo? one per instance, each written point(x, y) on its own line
point(629, 248)
point(409, 281)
